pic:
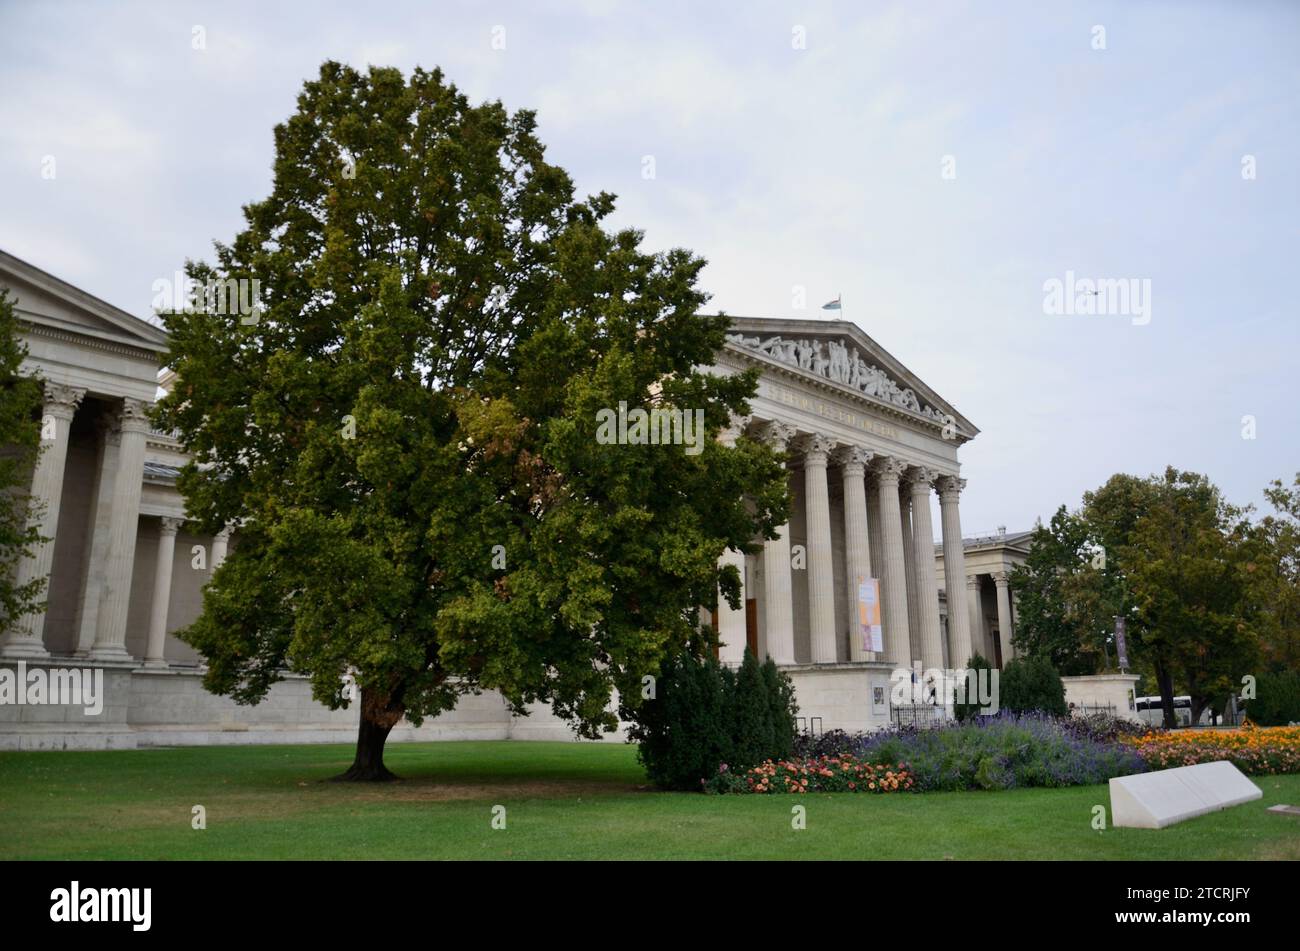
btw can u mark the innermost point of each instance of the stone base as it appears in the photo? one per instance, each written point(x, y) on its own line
point(843, 696)
point(146, 706)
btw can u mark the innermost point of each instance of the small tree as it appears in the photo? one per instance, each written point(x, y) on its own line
point(780, 695)
point(1031, 684)
point(20, 433)
point(752, 737)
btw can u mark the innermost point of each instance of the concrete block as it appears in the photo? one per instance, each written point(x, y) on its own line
point(1162, 798)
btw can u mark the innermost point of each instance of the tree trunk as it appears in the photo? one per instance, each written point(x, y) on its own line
point(378, 717)
point(1165, 681)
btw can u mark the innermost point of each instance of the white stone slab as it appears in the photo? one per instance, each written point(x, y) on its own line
point(1159, 799)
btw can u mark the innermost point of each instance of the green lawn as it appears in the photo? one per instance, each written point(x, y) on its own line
point(563, 800)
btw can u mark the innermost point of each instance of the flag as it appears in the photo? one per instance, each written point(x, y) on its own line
point(832, 305)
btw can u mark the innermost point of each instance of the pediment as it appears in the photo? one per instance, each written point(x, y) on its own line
point(842, 355)
point(51, 305)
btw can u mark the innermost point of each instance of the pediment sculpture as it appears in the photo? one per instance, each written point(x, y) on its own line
point(838, 363)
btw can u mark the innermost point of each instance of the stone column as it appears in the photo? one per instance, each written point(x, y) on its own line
point(927, 583)
point(220, 545)
point(778, 597)
point(110, 636)
point(1004, 615)
point(909, 566)
point(954, 571)
point(25, 641)
point(857, 543)
point(731, 621)
point(821, 564)
point(893, 582)
point(976, 607)
point(162, 592)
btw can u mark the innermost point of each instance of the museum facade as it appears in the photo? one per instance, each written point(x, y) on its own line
point(851, 590)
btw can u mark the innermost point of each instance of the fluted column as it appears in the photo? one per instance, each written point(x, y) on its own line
point(162, 592)
point(954, 571)
point(1004, 615)
point(893, 587)
point(778, 595)
point(731, 621)
point(821, 564)
point(110, 636)
point(979, 639)
point(927, 582)
point(857, 544)
point(25, 641)
point(909, 566)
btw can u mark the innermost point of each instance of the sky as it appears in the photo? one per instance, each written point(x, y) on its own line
point(936, 164)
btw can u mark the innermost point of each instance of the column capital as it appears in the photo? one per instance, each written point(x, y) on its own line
point(815, 448)
point(972, 581)
point(135, 416)
point(62, 401)
point(170, 526)
point(734, 429)
point(950, 487)
point(888, 469)
point(775, 434)
point(852, 458)
point(225, 533)
point(1001, 578)
point(920, 478)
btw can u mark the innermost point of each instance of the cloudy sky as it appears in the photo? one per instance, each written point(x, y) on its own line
point(934, 163)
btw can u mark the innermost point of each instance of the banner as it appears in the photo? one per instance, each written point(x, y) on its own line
point(1120, 642)
point(869, 614)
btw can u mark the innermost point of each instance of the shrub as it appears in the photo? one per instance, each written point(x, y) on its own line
point(706, 720)
point(967, 710)
point(1277, 699)
point(1105, 727)
point(1030, 684)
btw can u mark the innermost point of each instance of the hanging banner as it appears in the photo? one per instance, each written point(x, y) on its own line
point(869, 614)
point(1121, 645)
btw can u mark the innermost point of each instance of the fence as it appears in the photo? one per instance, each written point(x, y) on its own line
point(918, 714)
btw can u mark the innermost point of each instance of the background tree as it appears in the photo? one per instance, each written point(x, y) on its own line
point(1190, 558)
point(1276, 583)
point(406, 430)
point(20, 433)
point(1059, 597)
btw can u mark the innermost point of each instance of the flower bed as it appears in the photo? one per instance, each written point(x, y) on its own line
point(820, 774)
point(1004, 752)
point(1252, 749)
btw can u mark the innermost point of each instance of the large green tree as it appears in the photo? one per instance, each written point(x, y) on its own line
point(1189, 562)
point(406, 430)
point(1171, 556)
point(20, 432)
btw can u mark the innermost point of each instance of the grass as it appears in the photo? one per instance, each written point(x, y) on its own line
point(563, 801)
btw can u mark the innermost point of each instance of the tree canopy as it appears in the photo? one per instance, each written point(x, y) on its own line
point(20, 433)
point(405, 429)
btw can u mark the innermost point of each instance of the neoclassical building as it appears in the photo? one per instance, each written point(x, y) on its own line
point(874, 479)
